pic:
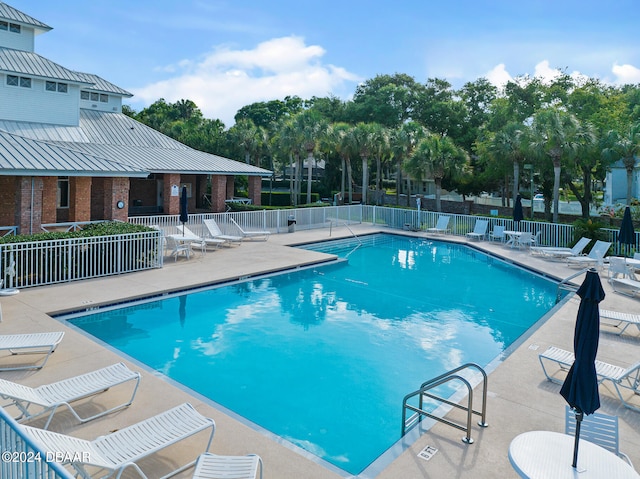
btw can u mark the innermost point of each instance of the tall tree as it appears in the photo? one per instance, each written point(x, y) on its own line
point(508, 144)
point(312, 129)
point(364, 142)
point(403, 141)
point(553, 135)
point(435, 157)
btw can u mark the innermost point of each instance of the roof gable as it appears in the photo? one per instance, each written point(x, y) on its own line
point(11, 14)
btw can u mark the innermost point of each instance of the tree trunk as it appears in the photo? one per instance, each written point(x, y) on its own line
point(378, 180)
point(365, 179)
point(292, 191)
point(408, 192)
point(350, 180)
point(398, 182)
point(342, 177)
point(556, 190)
point(310, 175)
point(516, 181)
point(629, 185)
point(438, 182)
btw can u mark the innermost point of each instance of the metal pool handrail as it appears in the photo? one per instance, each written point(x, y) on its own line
point(419, 412)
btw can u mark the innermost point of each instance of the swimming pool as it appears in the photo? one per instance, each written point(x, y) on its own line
point(323, 356)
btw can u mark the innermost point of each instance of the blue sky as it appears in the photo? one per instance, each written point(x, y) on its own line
point(227, 54)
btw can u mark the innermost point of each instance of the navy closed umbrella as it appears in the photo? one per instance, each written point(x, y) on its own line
point(580, 388)
point(184, 209)
point(518, 215)
point(627, 235)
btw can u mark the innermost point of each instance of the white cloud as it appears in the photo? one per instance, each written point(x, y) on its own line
point(225, 80)
point(498, 76)
point(626, 74)
point(545, 73)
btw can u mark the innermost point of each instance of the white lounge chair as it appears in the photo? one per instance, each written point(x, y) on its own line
point(497, 234)
point(523, 240)
point(594, 258)
point(33, 343)
point(216, 232)
point(598, 428)
point(622, 379)
point(251, 234)
point(479, 230)
point(202, 242)
point(622, 320)
point(120, 450)
point(46, 399)
point(558, 252)
point(442, 225)
point(630, 287)
point(212, 466)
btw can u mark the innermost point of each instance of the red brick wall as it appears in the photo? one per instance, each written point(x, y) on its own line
point(218, 193)
point(171, 204)
point(28, 195)
point(50, 200)
point(79, 198)
point(255, 189)
point(114, 190)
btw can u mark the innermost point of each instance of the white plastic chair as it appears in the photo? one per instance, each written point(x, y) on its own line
point(212, 466)
point(622, 320)
point(120, 450)
point(178, 248)
point(479, 230)
point(442, 225)
point(559, 252)
point(200, 241)
point(48, 398)
point(594, 258)
point(33, 343)
point(497, 234)
point(598, 428)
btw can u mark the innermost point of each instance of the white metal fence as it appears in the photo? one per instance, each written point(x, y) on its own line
point(22, 458)
point(38, 263)
point(45, 262)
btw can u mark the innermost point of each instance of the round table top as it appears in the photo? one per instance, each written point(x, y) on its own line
point(545, 454)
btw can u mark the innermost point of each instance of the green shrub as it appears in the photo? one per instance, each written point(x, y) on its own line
point(105, 228)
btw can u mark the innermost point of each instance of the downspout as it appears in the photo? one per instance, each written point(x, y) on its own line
point(31, 207)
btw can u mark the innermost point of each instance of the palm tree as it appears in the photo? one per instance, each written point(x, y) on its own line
point(627, 148)
point(553, 135)
point(341, 138)
point(508, 144)
point(311, 129)
point(402, 142)
point(381, 151)
point(246, 135)
point(364, 138)
point(437, 156)
point(289, 142)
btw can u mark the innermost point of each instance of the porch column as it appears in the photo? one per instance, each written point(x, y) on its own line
point(255, 190)
point(80, 198)
point(218, 193)
point(28, 204)
point(116, 199)
point(171, 204)
point(230, 187)
point(49, 200)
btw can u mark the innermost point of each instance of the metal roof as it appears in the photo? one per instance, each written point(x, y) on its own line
point(102, 85)
point(124, 140)
point(11, 14)
point(29, 63)
point(28, 157)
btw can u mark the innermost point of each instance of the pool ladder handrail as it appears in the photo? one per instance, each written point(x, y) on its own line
point(350, 230)
point(565, 285)
point(419, 412)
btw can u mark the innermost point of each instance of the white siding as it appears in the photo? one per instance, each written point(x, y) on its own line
point(18, 41)
point(37, 105)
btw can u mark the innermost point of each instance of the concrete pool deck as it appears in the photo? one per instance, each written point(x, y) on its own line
point(519, 398)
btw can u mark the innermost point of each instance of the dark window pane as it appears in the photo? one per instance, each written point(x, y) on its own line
point(104, 98)
point(62, 87)
point(84, 95)
point(12, 80)
point(14, 28)
point(95, 97)
point(4, 25)
point(50, 86)
point(25, 82)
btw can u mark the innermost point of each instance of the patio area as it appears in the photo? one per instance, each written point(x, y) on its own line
point(520, 398)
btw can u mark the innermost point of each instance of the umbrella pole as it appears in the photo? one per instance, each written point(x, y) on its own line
point(579, 416)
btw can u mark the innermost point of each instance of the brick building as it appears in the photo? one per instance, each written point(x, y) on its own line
point(67, 153)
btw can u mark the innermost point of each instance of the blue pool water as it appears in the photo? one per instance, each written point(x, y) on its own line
point(324, 356)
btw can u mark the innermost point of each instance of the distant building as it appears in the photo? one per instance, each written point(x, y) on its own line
point(68, 153)
point(615, 190)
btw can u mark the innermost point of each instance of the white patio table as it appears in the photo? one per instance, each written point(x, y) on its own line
point(547, 454)
point(513, 238)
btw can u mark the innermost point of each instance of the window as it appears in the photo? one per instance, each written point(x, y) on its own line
point(14, 80)
point(62, 195)
point(12, 27)
point(101, 97)
point(53, 86)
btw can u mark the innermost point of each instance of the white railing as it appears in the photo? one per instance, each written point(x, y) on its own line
point(22, 458)
point(54, 261)
point(38, 263)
